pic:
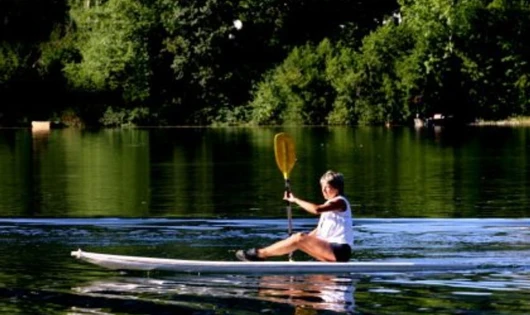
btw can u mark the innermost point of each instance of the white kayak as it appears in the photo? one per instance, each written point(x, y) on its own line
point(121, 262)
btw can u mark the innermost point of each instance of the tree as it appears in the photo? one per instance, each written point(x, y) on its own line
point(25, 26)
point(111, 39)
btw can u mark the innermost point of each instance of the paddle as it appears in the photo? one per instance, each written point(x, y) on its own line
point(285, 159)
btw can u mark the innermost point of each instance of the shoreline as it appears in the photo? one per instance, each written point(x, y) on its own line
point(520, 121)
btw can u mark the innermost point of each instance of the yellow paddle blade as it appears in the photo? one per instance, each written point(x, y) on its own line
point(284, 153)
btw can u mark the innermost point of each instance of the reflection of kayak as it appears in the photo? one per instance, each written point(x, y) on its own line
point(315, 291)
point(307, 293)
point(121, 262)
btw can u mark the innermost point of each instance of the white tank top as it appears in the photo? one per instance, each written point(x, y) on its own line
point(336, 226)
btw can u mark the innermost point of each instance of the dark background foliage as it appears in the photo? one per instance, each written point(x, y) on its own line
point(162, 62)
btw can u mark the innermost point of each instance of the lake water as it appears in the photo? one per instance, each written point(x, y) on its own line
point(198, 193)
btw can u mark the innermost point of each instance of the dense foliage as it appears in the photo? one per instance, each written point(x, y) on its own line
point(139, 62)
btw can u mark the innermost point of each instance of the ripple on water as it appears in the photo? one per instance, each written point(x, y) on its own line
point(34, 256)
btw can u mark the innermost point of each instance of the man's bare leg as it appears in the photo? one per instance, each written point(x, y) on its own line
point(311, 245)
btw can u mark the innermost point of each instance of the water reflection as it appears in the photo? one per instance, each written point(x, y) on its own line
point(303, 294)
point(317, 292)
point(478, 172)
point(321, 294)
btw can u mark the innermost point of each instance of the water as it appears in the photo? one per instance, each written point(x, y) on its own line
point(190, 172)
point(38, 276)
point(418, 195)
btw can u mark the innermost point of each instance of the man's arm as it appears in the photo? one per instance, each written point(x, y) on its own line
point(314, 232)
point(335, 205)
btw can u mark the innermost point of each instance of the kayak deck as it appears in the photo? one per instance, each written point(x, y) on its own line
point(122, 262)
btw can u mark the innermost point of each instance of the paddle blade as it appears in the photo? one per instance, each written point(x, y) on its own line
point(284, 153)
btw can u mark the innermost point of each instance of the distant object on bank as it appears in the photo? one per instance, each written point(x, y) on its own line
point(418, 122)
point(439, 120)
point(40, 126)
point(436, 120)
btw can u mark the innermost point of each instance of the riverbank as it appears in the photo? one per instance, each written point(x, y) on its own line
point(516, 121)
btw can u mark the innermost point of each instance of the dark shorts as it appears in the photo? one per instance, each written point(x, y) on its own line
point(342, 252)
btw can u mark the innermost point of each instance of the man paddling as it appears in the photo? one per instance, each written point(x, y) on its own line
point(331, 240)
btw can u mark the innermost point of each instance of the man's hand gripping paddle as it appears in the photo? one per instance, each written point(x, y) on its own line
point(285, 159)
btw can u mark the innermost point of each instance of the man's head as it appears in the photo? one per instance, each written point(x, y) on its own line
point(334, 180)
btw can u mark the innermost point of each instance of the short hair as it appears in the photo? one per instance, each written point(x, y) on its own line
point(334, 179)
